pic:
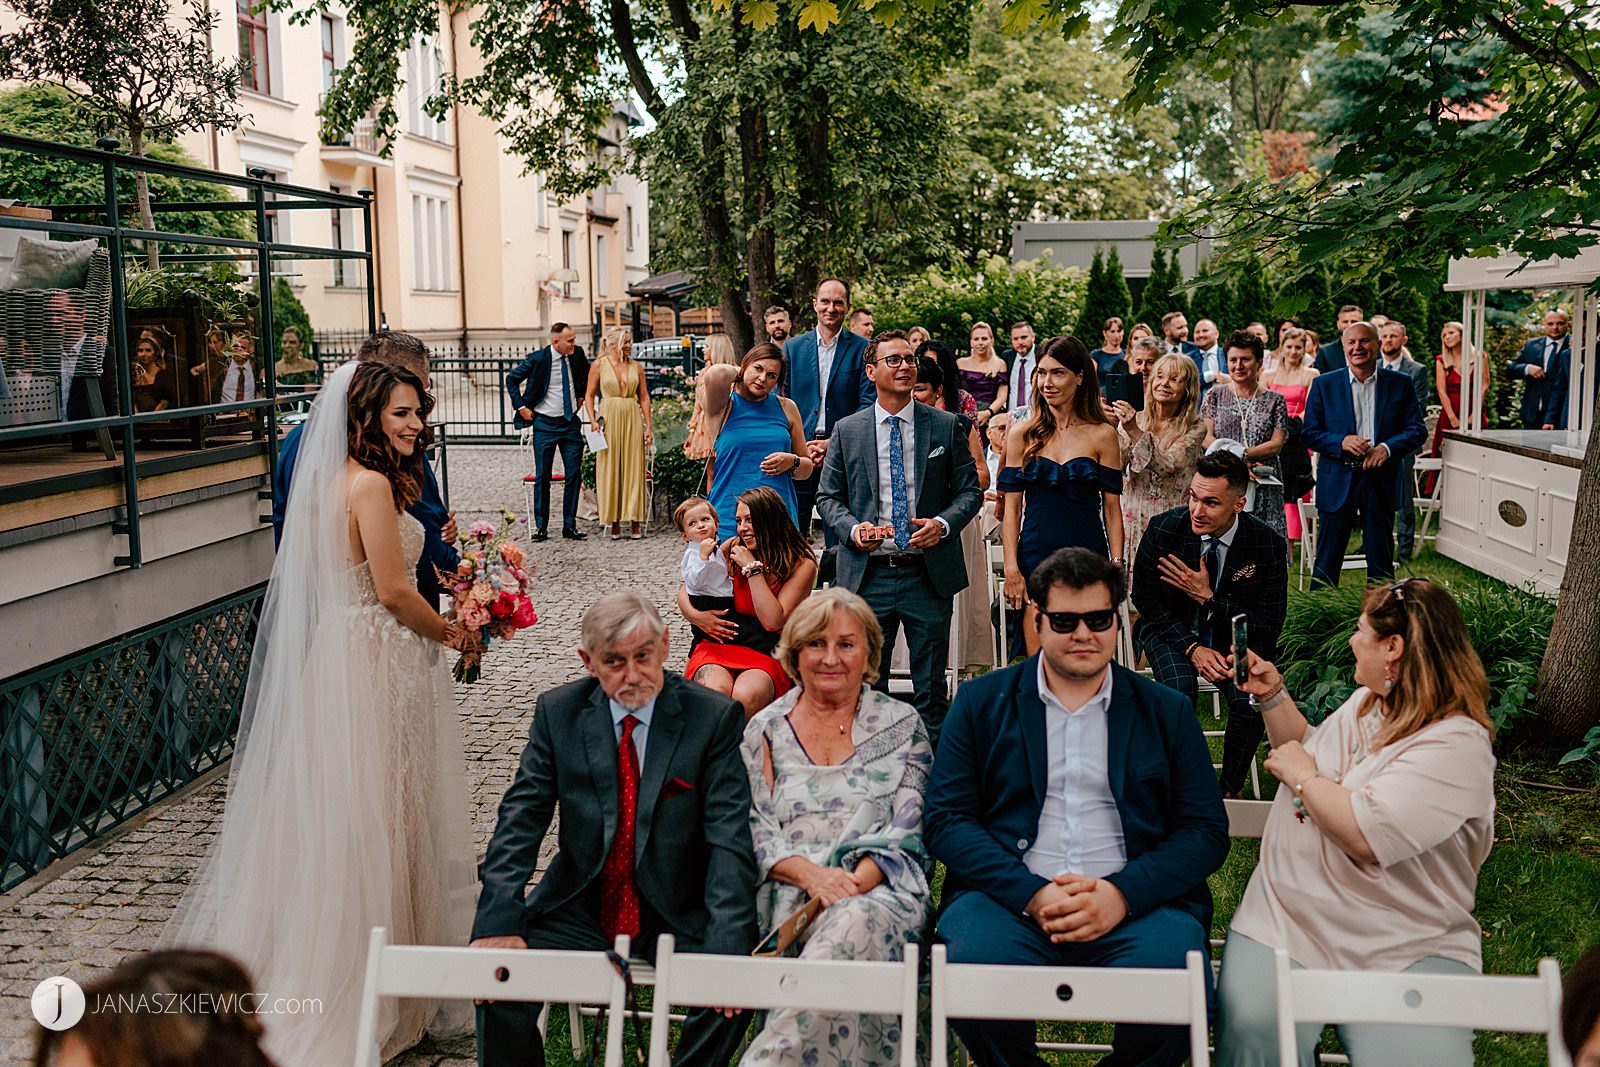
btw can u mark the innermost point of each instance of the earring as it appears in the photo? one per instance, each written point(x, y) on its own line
point(1388, 679)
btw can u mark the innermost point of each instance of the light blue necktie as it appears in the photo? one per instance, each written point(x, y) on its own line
point(897, 485)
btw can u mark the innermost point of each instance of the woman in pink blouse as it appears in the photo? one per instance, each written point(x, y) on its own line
point(1371, 853)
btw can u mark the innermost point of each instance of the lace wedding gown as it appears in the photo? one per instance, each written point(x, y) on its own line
point(347, 804)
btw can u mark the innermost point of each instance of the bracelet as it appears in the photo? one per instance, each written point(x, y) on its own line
point(753, 569)
point(796, 465)
point(1271, 700)
point(1300, 787)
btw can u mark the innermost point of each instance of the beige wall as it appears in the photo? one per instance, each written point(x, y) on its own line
point(477, 266)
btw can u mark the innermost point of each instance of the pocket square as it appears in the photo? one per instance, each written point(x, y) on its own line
point(675, 788)
point(936, 453)
point(1247, 571)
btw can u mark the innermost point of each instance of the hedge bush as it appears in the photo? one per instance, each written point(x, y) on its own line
point(947, 304)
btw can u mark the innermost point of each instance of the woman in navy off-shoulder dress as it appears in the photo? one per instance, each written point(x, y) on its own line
point(1063, 473)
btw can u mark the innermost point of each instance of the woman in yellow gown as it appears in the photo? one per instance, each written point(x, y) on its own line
point(624, 418)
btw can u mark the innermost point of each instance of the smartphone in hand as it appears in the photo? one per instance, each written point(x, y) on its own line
point(1241, 649)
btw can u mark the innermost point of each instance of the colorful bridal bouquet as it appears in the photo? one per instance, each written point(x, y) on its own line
point(488, 591)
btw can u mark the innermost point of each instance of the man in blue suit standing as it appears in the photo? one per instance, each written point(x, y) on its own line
point(1330, 356)
point(1543, 365)
point(546, 391)
point(1073, 804)
point(1362, 421)
point(438, 524)
point(827, 380)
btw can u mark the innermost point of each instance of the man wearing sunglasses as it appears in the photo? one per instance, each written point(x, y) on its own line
point(1073, 804)
point(1198, 566)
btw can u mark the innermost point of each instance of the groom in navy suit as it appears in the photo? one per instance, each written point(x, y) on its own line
point(1073, 804)
point(546, 391)
point(827, 380)
point(1362, 421)
point(1543, 365)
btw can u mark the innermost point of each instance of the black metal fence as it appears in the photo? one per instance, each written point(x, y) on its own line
point(92, 740)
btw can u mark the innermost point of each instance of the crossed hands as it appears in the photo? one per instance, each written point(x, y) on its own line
point(1370, 455)
point(1076, 908)
point(833, 884)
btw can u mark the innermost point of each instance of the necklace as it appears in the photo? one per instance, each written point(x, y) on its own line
point(849, 716)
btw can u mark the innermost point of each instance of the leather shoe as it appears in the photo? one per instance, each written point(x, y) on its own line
point(540, 535)
point(574, 535)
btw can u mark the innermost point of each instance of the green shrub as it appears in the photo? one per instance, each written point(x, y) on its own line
point(677, 477)
point(1000, 294)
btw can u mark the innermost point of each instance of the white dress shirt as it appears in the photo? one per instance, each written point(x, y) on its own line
point(825, 352)
point(908, 459)
point(550, 403)
point(1080, 829)
point(705, 577)
point(1212, 365)
point(1224, 542)
point(69, 371)
point(1364, 400)
point(1021, 375)
point(238, 374)
point(641, 732)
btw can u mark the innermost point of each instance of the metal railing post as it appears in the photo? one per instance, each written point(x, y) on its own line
point(119, 351)
point(372, 260)
point(269, 348)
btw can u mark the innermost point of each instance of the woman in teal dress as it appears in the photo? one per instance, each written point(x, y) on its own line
point(758, 436)
point(1063, 475)
point(837, 772)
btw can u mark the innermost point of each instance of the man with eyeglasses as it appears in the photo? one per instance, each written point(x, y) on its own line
point(898, 486)
point(1073, 805)
point(1198, 566)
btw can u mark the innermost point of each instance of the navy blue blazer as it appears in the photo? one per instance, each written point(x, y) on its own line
point(1330, 417)
point(1330, 357)
point(848, 390)
point(1544, 400)
point(530, 379)
point(987, 788)
point(429, 510)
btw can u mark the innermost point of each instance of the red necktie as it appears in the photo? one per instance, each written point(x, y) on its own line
point(238, 389)
point(619, 896)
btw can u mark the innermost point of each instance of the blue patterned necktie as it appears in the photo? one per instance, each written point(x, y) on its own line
point(566, 391)
point(897, 485)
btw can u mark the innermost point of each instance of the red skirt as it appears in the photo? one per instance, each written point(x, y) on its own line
point(737, 658)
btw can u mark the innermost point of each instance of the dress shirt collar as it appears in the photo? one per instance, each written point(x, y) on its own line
point(1393, 364)
point(618, 713)
point(1100, 703)
point(879, 413)
point(1227, 536)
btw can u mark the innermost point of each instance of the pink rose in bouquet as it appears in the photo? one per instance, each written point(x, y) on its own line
point(488, 591)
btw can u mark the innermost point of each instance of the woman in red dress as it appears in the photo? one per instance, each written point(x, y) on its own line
point(773, 570)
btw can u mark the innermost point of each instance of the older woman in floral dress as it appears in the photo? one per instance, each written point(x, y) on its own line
point(837, 773)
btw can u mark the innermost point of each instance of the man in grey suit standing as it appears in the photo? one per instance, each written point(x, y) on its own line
point(907, 467)
point(1392, 353)
point(655, 828)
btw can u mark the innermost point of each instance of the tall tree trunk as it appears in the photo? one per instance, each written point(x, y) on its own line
point(811, 197)
point(721, 260)
point(1569, 677)
point(141, 185)
point(761, 257)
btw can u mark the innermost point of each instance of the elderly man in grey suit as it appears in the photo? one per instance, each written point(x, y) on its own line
point(655, 828)
point(1393, 356)
point(897, 488)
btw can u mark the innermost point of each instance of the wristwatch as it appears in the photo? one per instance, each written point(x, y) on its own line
point(753, 569)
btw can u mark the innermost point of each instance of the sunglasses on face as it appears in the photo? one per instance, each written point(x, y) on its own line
point(1066, 622)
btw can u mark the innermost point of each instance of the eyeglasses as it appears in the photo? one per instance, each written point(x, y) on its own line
point(895, 361)
point(1066, 622)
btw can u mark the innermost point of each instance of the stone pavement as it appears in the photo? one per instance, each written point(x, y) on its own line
point(113, 898)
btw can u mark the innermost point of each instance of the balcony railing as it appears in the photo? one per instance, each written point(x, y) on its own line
point(363, 137)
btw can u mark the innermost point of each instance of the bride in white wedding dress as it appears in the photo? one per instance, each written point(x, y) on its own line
point(347, 803)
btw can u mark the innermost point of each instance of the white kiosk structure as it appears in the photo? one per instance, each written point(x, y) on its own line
point(1508, 496)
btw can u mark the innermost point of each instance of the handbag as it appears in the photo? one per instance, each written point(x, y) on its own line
point(786, 933)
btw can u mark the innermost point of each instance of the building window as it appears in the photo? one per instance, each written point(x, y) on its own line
point(629, 236)
point(253, 48)
point(569, 253)
point(601, 288)
point(330, 64)
point(430, 243)
point(425, 72)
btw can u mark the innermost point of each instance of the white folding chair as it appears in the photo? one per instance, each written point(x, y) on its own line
point(1428, 503)
point(997, 574)
point(1519, 1004)
point(840, 987)
point(1247, 818)
point(1070, 994)
point(432, 972)
point(1308, 544)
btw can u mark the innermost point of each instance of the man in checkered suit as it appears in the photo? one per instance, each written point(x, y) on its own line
point(1197, 567)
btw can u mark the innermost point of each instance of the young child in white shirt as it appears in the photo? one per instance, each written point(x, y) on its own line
point(704, 568)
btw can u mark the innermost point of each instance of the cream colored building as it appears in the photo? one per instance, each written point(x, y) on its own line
point(468, 248)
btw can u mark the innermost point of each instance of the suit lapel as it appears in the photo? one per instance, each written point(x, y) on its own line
point(869, 456)
point(922, 428)
point(666, 726)
point(1030, 709)
point(600, 742)
point(1119, 731)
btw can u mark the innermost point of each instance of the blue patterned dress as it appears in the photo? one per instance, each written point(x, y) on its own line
point(869, 805)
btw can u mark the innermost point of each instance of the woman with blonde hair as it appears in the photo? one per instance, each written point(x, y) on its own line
point(1447, 379)
point(1372, 849)
point(718, 352)
point(1160, 444)
point(624, 418)
point(837, 773)
point(984, 374)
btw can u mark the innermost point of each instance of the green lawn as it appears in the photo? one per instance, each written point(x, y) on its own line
point(1538, 895)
